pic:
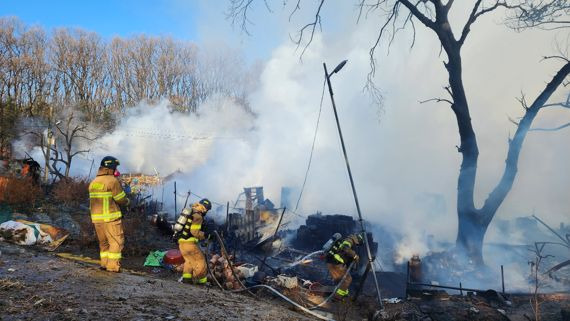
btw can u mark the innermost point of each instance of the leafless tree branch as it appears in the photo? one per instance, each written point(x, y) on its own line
point(238, 12)
point(297, 8)
point(475, 14)
point(437, 100)
point(312, 26)
point(543, 14)
point(550, 129)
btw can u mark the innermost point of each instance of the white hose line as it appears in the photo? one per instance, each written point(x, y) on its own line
point(335, 288)
point(316, 315)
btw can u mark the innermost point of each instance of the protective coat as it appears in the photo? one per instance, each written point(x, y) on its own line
point(105, 196)
point(194, 260)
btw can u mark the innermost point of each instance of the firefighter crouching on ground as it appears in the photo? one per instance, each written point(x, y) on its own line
point(339, 257)
point(106, 195)
point(189, 232)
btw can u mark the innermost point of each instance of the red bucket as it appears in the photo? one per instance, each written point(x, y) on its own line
point(173, 257)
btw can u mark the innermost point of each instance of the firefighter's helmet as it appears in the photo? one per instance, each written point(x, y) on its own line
point(207, 204)
point(110, 162)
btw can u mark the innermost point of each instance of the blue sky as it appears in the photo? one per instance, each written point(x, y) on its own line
point(200, 21)
point(110, 18)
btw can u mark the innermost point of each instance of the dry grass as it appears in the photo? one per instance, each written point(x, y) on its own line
point(10, 284)
point(87, 237)
point(138, 234)
point(21, 192)
point(71, 191)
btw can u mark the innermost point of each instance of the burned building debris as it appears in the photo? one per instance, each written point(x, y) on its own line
point(252, 223)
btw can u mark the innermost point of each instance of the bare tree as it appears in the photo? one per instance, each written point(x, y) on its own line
point(434, 15)
point(547, 14)
point(79, 60)
point(535, 266)
point(72, 135)
point(74, 72)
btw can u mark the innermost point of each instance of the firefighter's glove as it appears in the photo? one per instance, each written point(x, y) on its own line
point(356, 258)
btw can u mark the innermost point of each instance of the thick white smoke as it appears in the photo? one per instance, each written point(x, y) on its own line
point(153, 138)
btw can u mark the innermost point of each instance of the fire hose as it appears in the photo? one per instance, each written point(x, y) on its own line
point(335, 288)
point(279, 294)
point(316, 315)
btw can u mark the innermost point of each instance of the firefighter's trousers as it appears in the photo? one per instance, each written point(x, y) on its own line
point(194, 261)
point(111, 243)
point(337, 271)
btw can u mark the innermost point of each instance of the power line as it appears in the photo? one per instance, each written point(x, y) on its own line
point(312, 147)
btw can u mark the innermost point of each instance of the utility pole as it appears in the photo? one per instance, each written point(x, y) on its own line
point(50, 140)
point(360, 220)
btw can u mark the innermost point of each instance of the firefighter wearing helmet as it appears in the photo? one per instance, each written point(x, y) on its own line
point(339, 257)
point(189, 231)
point(105, 197)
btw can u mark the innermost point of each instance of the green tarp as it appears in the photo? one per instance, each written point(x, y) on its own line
point(5, 213)
point(154, 258)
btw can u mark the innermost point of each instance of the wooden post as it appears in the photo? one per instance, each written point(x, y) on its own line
point(279, 223)
point(49, 140)
point(228, 217)
point(91, 168)
point(175, 207)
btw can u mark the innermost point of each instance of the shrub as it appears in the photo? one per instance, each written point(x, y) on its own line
point(21, 192)
point(71, 191)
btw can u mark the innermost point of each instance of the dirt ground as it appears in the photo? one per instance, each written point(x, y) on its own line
point(40, 286)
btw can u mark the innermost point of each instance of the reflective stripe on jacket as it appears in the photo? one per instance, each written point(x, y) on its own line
point(105, 196)
point(341, 252)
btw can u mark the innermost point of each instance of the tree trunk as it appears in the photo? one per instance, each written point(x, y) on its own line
point(473, 223)
point(470, 235)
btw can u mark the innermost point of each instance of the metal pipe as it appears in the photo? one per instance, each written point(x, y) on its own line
point(446, 287)
point(361, 221)
point(407, 277)
point(186, 201)
point(279, 223)
point(503, 279)
point(175, 207)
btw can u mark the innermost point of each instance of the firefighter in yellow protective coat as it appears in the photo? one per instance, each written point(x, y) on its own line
point(195, 268)
point(106, 195)
point(339, 257)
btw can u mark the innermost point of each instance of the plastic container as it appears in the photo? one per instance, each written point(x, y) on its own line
point(173, 257)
